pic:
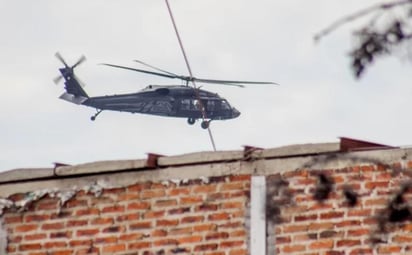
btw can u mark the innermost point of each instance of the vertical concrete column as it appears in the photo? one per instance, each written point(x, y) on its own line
point(3, 237)
point(258, 216)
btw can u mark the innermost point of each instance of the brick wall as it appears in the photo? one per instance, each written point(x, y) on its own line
point(210, 215)
point(191, 217)
point(332, 225)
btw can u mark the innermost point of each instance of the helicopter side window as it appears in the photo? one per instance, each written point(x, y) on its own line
point(211, 105)
point(186, 104)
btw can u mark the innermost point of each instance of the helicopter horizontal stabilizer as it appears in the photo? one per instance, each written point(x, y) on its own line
point(73, 99)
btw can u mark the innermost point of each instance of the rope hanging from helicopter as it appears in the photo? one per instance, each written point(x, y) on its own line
point(200, 103)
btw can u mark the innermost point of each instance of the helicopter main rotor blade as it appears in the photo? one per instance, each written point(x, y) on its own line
point(235, 83)
point(155, 68)
point(143, 71)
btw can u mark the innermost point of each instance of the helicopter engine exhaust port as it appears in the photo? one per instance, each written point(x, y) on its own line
point(191, 121)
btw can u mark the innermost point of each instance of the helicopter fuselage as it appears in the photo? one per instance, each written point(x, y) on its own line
point(168, 101)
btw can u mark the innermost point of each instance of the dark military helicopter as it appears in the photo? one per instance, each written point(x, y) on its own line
point(181, 101)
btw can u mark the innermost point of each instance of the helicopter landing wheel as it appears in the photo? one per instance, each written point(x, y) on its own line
point(191, 121)
point(93, 118)
point(205, 124)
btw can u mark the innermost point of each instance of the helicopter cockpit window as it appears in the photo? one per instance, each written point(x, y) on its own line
point(225, 105)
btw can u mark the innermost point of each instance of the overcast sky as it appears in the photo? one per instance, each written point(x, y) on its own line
point(265, 40)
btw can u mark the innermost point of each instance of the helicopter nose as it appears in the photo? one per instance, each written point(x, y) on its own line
point(235, 112)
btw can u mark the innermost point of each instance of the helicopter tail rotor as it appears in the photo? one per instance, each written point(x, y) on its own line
point(67, 70)
point(74, 91)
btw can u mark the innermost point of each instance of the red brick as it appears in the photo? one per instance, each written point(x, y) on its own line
point(179, 191)
point(30, 247)
point(359, 232)
point(138, 187)
point(148, 194)
point(347, 243)
point(165, 242)
point(128, 217)
point(243, 177)
point(377, 184)
point(233, 205)
point(205, 227)
point(76, 223)
point(205, 247)
point(348, 223)
point(238, 252)
point(158, 233)
point(154, 214)
point(181, 231)
point(102, 221)
point(238, 233)
point(205, 189)
point(36, 217)
point(322, 244)
point(52, 245)
point(132, 237)
point(219, 216)
point(138, 206)
point(14, 239)
point(217, 235)
point(389, 249)
point(294, 228)
point(189, 239)
point(139, 245)
point(402, 239)
point(361, 251)
point(88, 211)
point(165, 223)
point(206, 207)
point(293, 248)
point(331, 215)
point(48, 205)
point(192, 219)
point(106, 240)
point(232, 186)
point(114, 209)
point(76, 243)
point(128, 196)
point(76, 203)
point(62, 252)
point(310, 217)
point(180, 210)
point(63, 234)
point(13, 219)
point(33, 237)
point(114, 248)
point(141, 225)
point(321, 225)
point(52, 226)
point(166, 203)
point(231, 244)
point(87, 232)
point(114, 229)
point(26, 228)
point(191, 200)
point(359, 212)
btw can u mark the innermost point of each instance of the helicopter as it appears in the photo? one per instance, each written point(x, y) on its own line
point(179, 101)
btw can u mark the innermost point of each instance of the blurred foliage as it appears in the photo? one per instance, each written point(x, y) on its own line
point(387, 32)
